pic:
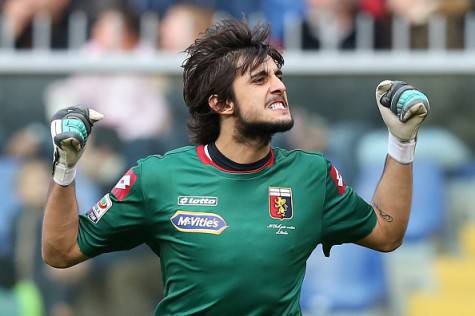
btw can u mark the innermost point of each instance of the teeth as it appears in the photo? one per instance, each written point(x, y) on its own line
point(277, 106)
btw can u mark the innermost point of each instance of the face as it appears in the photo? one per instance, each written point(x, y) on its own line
point(107, 31)
point(260, 102)
point(176, 30)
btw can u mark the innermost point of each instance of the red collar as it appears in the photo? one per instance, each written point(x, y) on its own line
point(200, 149)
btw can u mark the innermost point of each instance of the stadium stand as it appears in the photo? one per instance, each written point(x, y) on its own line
point(332, 288)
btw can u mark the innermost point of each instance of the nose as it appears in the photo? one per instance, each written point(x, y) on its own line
point(277, 86)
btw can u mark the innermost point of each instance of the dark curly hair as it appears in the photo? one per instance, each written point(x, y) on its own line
point(224, 50)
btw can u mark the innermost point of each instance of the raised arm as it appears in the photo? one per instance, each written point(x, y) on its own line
point(403, 109)
point(70, 129)
point(60, 228)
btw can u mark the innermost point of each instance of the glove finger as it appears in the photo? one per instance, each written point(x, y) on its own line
point(382, 88)
point(64, 139)
point(418, 109)
point(70, 143)
point(95, 116)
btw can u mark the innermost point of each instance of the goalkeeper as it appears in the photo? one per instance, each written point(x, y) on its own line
point(232, 219)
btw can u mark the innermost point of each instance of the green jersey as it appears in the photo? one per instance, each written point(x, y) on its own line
point(230, 243)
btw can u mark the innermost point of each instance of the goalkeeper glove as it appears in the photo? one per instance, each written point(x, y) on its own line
point(70, 129)
point(403, 109)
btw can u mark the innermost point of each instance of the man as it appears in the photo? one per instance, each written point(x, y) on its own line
point(232, 219)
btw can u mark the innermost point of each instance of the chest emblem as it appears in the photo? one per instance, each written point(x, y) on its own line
point(280, 203)
point(198, 222)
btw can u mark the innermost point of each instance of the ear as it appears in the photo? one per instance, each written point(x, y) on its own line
point(220, 107)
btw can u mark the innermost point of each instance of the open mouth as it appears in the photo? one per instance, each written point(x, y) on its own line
point(278, 105)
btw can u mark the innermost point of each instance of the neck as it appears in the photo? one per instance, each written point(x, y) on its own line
point(242, 152)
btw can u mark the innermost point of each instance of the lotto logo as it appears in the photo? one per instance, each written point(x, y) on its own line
point(198, 200)
point(122, 188)
point(123, 183)
point(338, 180)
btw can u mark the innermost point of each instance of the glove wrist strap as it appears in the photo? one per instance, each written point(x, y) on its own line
point(63, 175)
point(402, 152)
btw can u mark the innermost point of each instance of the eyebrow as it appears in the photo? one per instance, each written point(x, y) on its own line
point(264, 72)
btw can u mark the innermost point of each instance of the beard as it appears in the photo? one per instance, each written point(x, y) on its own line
point(258, 132)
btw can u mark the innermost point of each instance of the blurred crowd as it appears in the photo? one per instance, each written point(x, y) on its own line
point(320, 24)
point(146, 115)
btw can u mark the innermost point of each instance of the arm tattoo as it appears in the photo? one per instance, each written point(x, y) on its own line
point(384, 215)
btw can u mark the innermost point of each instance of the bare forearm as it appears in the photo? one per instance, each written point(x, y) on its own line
point(60, 224)
point(70, 128)
point(392, 199)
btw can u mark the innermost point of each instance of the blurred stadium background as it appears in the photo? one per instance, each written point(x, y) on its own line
point(123, 58)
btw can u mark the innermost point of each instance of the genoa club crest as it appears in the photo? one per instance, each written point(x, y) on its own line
point(280, 203)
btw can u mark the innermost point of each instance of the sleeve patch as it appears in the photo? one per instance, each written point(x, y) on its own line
point(122, 188)
point(338, 179)
point(98, 210)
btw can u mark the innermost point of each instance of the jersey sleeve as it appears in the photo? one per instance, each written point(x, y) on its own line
point(347, 217)
point(118, 221)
